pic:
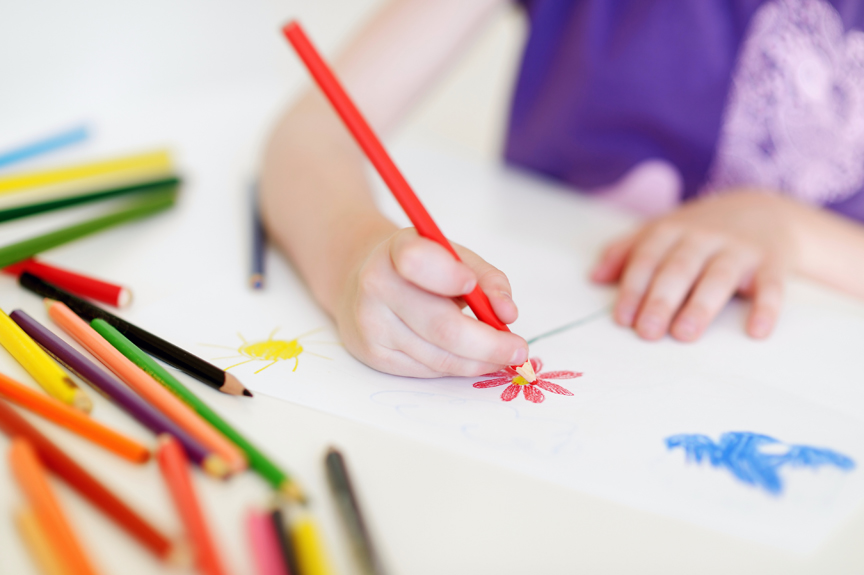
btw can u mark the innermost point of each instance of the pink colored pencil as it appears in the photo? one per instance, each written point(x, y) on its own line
point(264, 541)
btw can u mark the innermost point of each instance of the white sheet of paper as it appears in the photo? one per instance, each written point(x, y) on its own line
point(800, 387)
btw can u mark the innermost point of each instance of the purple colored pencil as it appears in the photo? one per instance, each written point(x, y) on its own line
point(116, 391)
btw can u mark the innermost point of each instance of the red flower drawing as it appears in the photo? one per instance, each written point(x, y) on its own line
point(531, 389)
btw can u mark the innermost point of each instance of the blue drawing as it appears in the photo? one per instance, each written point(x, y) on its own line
point(738, 451)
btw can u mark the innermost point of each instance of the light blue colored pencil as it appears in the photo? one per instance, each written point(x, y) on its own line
point(45, 145)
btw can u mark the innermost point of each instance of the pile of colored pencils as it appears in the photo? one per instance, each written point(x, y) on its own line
point(189, 432)
point(283, 535)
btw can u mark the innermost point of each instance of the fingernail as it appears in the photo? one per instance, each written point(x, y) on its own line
point(469, 286)
point(519, 357)
point(685, 329)
point(650, 326)
point(598, 273)
point(760, 326)
point(625, 314)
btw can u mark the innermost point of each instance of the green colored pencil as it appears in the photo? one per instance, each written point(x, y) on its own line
point(28, 248)
point(257, 460)
point(23, 211)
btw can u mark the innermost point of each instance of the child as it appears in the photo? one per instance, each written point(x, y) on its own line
point(750, 113)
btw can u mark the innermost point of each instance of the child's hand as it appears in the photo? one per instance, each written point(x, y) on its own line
point(677, 272)
point(399, 313)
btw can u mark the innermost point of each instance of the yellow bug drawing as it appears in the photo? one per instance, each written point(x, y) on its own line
point(271, 350)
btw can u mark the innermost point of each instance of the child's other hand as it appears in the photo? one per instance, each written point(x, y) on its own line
point(677, 272)
point(400, 313)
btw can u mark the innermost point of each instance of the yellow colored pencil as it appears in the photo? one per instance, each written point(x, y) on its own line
point(308, 545)
point(39, 364)
point(40, 548)
point(146, 162)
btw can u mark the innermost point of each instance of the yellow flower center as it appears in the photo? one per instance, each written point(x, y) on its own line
point(519, 380)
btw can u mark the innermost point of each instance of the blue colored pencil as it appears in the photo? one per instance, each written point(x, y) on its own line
point(259, 243)
point(44, 145)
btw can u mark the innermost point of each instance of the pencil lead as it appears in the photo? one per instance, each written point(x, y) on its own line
point(247, 393)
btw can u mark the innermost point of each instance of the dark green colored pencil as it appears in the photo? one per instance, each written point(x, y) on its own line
point(23, 211)
point(352, 516)
point(152, 204)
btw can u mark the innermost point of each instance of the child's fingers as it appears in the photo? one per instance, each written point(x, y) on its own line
point(713, 291)
point(430, 266)
point(440, 322)
point(672, 281)
point(408, 359)
point(494, 284)
point(611, 264)
point(646, 254)
point(432, 361)
point(767, 300)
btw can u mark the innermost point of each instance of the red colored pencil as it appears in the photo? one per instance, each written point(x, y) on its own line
point(117, 296)
point(378, 156)
point(85, 484)
point(175, 470)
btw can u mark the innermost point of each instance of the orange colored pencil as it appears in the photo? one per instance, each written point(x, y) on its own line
point(41, 550)
point(64, 467)
point(146, 386)
point(33, 481)
point(175, 470)
point(73, 420)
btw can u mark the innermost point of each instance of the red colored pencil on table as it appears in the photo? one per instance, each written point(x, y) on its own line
point(64, 467)
point(378, 156)
point(117, 296)
point(175, 469)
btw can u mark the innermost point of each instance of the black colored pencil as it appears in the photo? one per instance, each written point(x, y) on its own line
point(289, 556)
point(259, 242)
point(155, 346)
point(95, 196)
point(349, 510)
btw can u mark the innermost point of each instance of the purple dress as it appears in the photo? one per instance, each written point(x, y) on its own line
point(724, 92)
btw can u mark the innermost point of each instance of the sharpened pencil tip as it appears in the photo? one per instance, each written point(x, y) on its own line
point(526, 370)
point(215, 466)
point(233, 386)
point(247, 393)
point(293, 492)
point(81, 400)
point(179, 554)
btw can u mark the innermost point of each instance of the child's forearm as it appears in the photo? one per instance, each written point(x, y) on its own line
point(315, 200)
point(831, 249)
